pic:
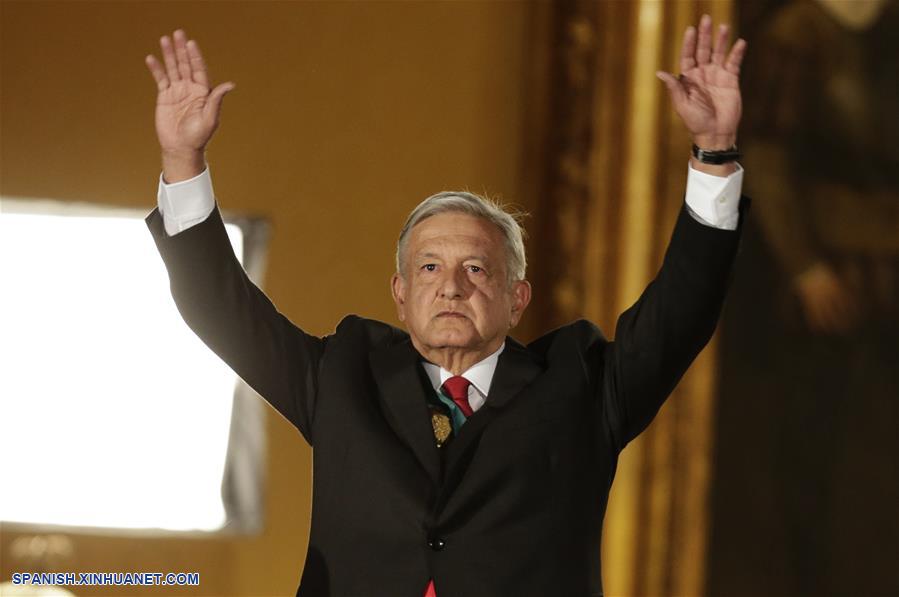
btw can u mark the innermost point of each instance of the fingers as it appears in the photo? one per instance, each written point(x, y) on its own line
point(675, 88)
point(197, 64)
point(688, 50)
point(720, 45)
point(168, 55)
point(183, 61)
point(181, 55)
point(162, 81)
point(696, 49)
point(735, 58)
point(214, 101)
point(704, 45)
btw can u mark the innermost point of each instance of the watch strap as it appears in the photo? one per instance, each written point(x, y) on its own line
point(719, 156)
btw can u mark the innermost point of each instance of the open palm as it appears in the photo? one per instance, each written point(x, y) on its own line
point(707, 93)
point(187, 111)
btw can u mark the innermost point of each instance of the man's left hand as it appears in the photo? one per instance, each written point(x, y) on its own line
point(707, 94)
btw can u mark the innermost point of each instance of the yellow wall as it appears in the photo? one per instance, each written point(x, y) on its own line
point(344, 117)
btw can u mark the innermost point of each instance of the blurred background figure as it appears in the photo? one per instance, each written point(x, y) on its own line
point(807, 476)
point(37, 554)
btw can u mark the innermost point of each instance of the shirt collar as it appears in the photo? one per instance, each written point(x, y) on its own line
point(480, 374)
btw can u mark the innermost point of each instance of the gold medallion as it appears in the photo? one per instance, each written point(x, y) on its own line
point(442, 427)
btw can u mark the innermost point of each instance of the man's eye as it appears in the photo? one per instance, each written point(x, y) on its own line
point(429, 267)
point(475, 269)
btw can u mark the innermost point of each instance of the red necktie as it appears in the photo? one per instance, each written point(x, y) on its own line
point(430, 592)
point(457, 389)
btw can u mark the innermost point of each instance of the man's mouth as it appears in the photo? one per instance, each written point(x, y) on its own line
point(450, 314)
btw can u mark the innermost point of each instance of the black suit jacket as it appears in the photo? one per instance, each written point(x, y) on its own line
point(515, 504)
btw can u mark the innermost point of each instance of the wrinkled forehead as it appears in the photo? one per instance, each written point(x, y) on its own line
point(455, 232)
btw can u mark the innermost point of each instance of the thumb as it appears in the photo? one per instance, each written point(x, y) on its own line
point(674, 86)
point(214, 101)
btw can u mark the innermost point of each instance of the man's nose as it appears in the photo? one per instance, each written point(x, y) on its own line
point(453, 284)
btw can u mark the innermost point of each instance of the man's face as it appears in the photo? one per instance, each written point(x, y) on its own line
point(454, 291)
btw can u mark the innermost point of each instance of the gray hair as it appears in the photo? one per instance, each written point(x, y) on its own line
point(509, 223)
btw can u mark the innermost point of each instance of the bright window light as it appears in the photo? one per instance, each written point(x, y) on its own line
point(112, 412)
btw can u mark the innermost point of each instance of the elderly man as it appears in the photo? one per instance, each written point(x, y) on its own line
point(450, 458)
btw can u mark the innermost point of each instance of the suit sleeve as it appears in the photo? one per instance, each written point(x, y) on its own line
point(659, 336)
point(236, 319)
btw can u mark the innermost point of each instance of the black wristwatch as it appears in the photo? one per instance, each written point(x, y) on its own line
point(721, 156)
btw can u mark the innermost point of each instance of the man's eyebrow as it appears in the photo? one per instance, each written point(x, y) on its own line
point(430, 255)
point(478, 257)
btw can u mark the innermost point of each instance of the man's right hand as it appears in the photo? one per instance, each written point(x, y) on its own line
point(187, 111)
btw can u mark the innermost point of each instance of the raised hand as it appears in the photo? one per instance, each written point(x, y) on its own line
point(187, 110)
point(707, 93)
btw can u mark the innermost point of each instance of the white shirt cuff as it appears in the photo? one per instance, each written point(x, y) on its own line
point(714, 200)
point(186, 203)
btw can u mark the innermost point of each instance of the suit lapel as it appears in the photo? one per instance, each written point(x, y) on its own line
point(401, 390)
point(401, 385)
point(515, 370)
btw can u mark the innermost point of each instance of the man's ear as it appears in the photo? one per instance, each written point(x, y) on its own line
point(521, 298)
point(398, 290)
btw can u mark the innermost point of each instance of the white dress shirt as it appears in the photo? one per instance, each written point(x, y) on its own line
point(711, 200)
point(480, 375)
